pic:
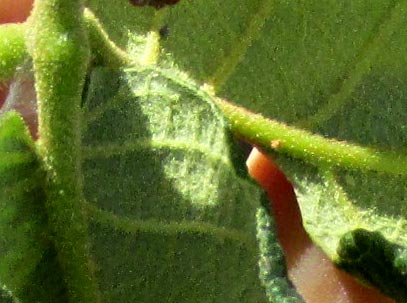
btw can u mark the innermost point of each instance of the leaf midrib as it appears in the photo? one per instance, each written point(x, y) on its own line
point(109, 150)
point(134, 226)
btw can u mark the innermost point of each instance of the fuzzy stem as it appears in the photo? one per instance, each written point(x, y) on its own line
point(58, 43)
point(153, 48)
point(272, 135)
point(104, 51)
point(12, 49)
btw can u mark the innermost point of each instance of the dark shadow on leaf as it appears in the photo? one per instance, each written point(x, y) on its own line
point(170, 219)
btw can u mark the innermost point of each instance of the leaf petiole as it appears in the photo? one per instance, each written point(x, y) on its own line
point(272, 135)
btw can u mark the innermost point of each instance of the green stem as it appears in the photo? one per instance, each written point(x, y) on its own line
point(272, 135)
point(12, 49)
point(152, 49)
point(104, 51)
point(58, 43)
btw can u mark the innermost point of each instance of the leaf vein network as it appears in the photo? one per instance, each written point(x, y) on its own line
point(362, 66)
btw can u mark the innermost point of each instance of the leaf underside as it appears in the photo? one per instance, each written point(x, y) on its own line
point(171, 210)
point(336, 204)
point(172, 216)
point(334, 68)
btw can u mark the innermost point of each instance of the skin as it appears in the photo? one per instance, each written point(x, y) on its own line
point(315, 277)
point(14, 10)
point(313, 274)
point(3, 92)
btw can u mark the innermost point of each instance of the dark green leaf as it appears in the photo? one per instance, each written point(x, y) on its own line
point(373, 259)
point(27, 262)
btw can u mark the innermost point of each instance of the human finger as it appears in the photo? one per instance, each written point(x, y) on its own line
point(313, 274)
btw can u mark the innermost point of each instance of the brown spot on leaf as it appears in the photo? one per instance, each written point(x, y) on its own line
point(275, 144)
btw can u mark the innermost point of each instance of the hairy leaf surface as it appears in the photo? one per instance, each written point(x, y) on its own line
point(334, 68)
point(172, 215)
point(27, 259)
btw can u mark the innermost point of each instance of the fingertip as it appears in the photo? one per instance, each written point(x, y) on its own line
point(15, 11)
point(313, 274)
point(278, 188)
point(261, 168)
point(283, 202)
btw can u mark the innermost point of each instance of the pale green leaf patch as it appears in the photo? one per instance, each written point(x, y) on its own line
point(161, 187)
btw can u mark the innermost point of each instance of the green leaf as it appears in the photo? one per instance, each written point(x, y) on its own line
point(22, 221)
point(372, 258)
point(172, 216)
point(333, 68)
point(26, 253)
point(6, 296)
point(12, 49)
point(160, 186)
point(337, 223)
point(273, 273)
point(335, 202)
